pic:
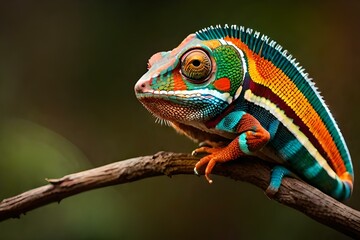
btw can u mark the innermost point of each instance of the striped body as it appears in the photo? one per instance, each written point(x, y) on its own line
point(252, 82)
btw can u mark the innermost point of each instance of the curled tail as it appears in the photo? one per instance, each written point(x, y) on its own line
point(345, 186)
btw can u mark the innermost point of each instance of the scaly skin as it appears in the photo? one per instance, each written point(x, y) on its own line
point(240, 93)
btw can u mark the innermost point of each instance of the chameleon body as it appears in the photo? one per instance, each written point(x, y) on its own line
point(241, 94)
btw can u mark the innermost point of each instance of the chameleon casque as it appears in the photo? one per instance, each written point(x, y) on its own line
point(241, 94)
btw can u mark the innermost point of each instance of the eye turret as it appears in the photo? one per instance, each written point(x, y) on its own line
point(196, 65)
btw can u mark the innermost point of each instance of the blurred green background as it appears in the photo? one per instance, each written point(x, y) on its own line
point(67, 71)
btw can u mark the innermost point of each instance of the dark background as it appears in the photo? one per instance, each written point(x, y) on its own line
point(67, 71)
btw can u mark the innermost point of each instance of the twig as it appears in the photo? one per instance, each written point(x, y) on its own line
point(293, 193)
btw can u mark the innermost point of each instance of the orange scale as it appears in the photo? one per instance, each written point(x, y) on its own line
point(222, 84)
point(179, 83)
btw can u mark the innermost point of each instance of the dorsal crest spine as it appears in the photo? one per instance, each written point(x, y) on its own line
point(258, 43)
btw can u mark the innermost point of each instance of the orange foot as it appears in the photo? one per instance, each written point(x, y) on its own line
point(216, 155)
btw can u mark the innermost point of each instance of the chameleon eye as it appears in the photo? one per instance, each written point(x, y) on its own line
point(196, 65)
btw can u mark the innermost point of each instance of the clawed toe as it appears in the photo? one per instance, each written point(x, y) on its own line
point(201, 150)
point(208, 179)
point(210, 162)
point(204, 144)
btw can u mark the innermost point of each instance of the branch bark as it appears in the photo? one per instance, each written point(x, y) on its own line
point(293, 193)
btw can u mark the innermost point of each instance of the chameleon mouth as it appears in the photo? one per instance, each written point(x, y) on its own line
point(195, 95)
point(179, 94)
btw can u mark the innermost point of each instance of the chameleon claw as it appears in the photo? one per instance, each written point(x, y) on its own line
point(195, 171)
point(204, 144)
point(194, 153)
point(208, 179)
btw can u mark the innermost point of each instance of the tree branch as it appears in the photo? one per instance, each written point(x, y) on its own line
point(293, 193)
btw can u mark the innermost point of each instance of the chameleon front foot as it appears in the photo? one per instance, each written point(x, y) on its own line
point(217, 155)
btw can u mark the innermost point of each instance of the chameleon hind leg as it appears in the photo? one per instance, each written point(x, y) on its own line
point(277, 175)
point(252, 138)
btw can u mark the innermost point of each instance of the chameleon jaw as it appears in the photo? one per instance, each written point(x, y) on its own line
point(182, 107)
point(164, 94)
point(198, 93)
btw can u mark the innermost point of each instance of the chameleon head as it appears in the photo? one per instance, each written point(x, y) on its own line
point(194, 82)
